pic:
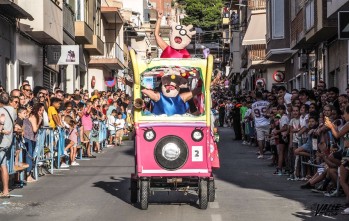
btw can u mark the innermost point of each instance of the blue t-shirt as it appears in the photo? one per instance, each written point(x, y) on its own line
point(169, 105)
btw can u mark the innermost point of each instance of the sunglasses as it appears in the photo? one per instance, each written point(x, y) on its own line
point(16, 102)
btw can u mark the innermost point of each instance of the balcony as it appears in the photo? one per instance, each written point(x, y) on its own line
point(113, 3)
point(297, 31)
point(83, 33)
point(97, 46)
point(48, 20)
point(68, 24)
point(127, 15)
point(112, 15)
point(12, 10)
point(257, 4)
point(323, 28)
point(256, 55)
point(113, 58)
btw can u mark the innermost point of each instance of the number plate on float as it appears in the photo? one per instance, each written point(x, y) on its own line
point(197, 154)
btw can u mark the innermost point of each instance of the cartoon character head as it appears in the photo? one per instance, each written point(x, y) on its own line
point(171, 84)
point(180, 36)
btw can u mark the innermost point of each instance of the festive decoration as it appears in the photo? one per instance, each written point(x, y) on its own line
point(93, 82)
point(110, 82)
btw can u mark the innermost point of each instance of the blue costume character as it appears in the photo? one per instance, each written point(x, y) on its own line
point(169, 101)
point(169, 105)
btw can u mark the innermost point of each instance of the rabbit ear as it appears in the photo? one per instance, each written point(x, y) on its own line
point(192, 33)
point(189, 27)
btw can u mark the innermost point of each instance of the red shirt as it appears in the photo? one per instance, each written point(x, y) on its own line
point(170, 52)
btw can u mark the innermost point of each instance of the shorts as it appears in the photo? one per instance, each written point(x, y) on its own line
point(120, 133)
point(308, 146)
point(87, 134)
point(112, 132)
point(4, 155)
point(262, 132)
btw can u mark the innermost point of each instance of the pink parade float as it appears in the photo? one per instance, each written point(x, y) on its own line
point(175, 144)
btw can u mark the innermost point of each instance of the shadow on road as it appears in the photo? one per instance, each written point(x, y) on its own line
point(240, 166)
point(119, 187)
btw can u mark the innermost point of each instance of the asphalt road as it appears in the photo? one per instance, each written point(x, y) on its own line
point(98, 190)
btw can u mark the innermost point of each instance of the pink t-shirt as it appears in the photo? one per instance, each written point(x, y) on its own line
point(86, 120)
point(72, 136)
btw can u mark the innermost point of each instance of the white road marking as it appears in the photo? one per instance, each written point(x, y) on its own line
point(216, 217)
point(214, 205)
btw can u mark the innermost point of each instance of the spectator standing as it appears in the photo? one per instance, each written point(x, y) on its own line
point(54, 119)
point(86, 121)
point(120, 126)
point(111, 126)
point(7, 118)
point(31, 126)
point(259, 109)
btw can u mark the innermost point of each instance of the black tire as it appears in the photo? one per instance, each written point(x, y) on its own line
point(134, 191)
point(203, 194)
point(144, 193)
point(211, 191)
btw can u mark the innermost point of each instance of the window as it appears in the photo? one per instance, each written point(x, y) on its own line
point(78, 11)
point(268, 20)
point(86, 14)
point(97, 21)
point(278, 19)
point(309, 15)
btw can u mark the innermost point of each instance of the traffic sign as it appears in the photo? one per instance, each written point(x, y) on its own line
point(260, 82)
point(343, 25)
point(279, 76)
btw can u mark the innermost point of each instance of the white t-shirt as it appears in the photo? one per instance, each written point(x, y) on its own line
point(10, 118)
point(259, 108)
point(121, 123)
point(295, 124)
point(303, 121)
point(284, 121)
point(111, 121)
point(287, 98)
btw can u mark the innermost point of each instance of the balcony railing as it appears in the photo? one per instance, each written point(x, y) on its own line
point(256, 53)
point(68, 20)
point(257, 4)
point(112, 50)
point(297, 27)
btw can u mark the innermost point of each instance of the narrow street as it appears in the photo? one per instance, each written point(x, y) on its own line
point(98, 190)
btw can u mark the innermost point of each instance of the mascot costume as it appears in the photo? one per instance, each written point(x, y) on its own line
point(180, 38)
point(170, 101)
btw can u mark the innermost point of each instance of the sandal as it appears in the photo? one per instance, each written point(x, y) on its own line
point(4, 196)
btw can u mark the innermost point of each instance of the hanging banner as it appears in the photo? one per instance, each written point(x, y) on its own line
point(69, 55)
point(63, 54)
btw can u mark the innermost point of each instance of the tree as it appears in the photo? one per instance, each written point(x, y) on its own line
point(205, 14)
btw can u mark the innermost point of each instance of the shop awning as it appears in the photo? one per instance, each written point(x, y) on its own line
point(256, 30)
point(11, 9)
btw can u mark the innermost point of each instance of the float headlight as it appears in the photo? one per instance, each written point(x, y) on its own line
point(197, 135)
point(149, 135)
point(171, 151)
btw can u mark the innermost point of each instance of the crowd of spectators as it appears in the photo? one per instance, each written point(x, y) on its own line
point(306, 131)
point(24, 111)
